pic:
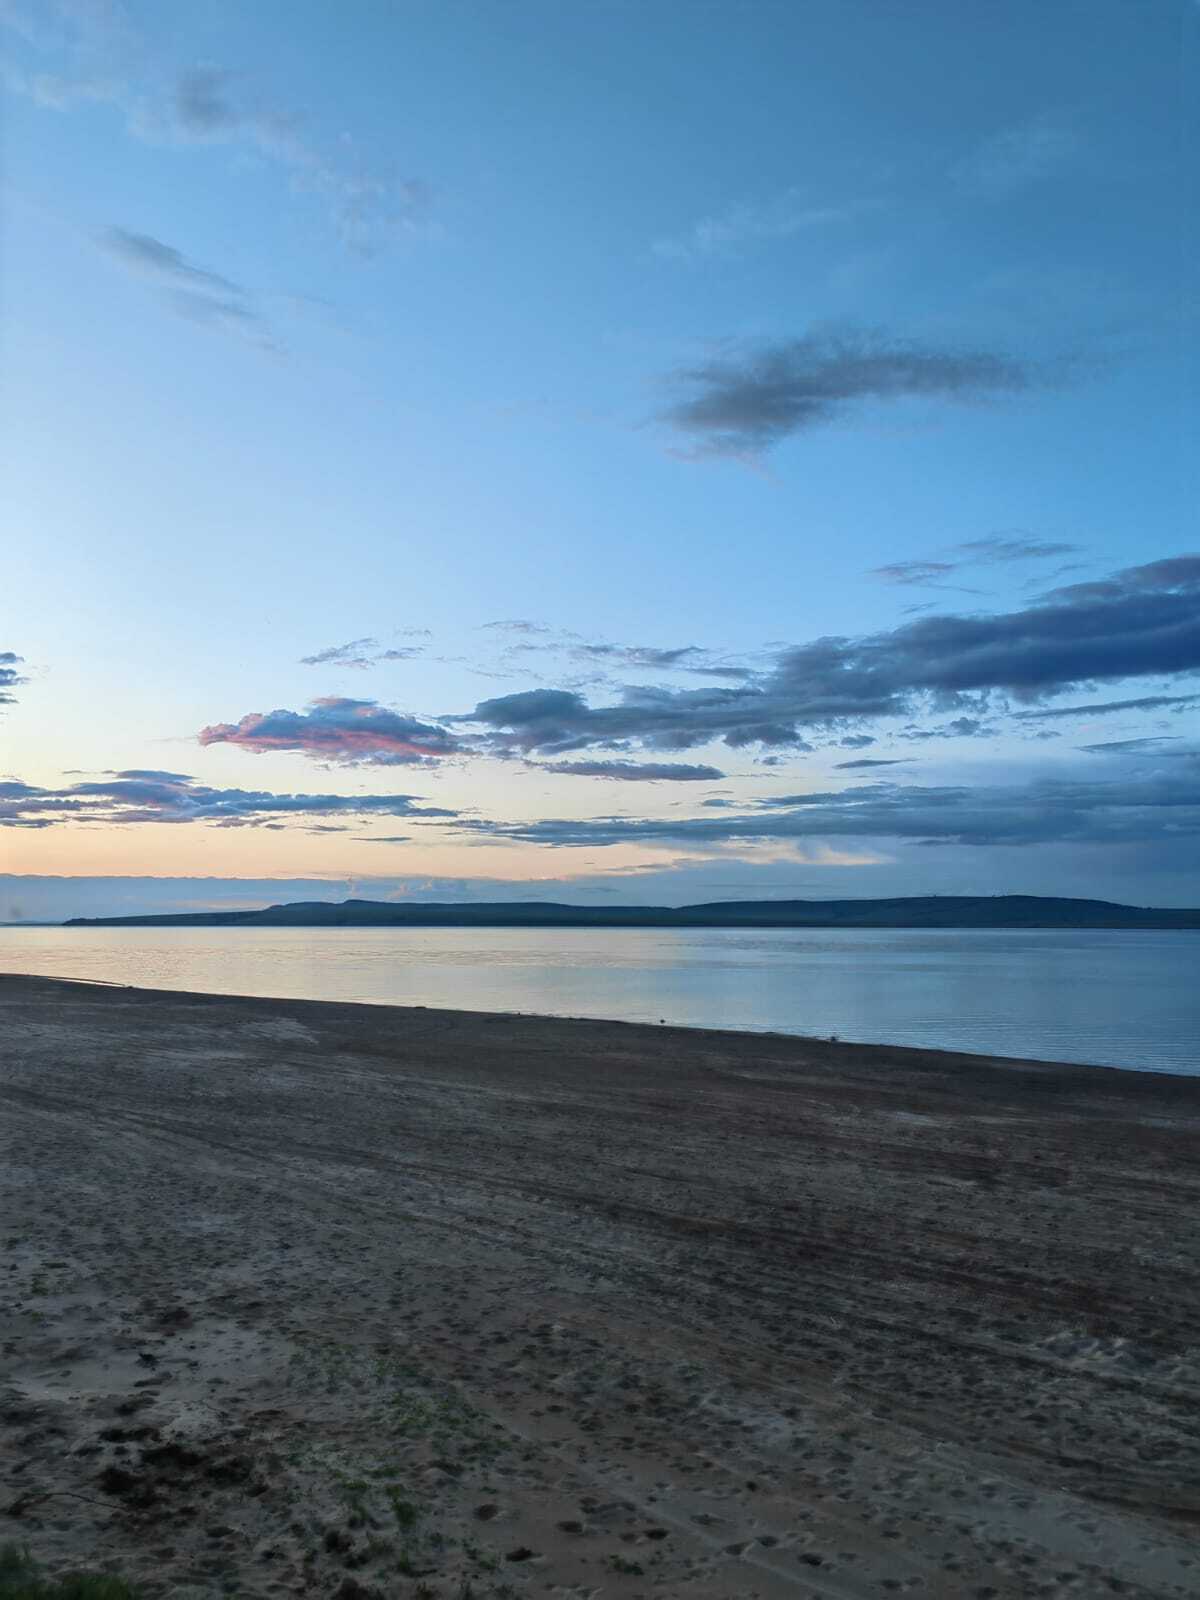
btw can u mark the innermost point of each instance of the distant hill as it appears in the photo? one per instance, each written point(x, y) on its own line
point(916, 911)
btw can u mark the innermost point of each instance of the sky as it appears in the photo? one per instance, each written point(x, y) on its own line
point(714, 449)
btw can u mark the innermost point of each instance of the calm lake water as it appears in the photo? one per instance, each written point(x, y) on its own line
point(1113, 999)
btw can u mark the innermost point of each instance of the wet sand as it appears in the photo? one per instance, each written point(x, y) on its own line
point(321, 1299)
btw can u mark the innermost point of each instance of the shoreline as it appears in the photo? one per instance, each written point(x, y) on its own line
point(334, 1299)
point(861, 1046)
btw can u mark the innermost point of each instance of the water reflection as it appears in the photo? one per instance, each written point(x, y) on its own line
point(1113, 998)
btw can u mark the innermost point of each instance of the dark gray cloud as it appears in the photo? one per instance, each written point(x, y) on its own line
point(556, 721)
point(743, 403)
point(1141, 622)
point(866, 761)
point(190, 291)
point(10, 677)
point(1129, 811)
point(137, 796)
point(642, 771)
point(1171, 573)
point(337, 729)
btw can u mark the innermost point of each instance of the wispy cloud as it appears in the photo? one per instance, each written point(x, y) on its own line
point(1150, 702)
point(634, 655)
point(10, 677)
point(518, 625)
point(743, 403)
point(1041, 147)
point(748, 223)
point(361, 653)
point(138, 795)
point(527, 639)
point(996, 550)
point(189, 290)
point(77, 53)
point(1151, 744)
point(632, 771)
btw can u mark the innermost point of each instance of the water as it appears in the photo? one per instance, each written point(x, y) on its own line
point(1109, 998)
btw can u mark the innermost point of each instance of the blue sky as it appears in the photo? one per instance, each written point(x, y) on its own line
point(682, 336)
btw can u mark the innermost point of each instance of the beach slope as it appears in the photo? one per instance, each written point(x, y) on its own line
point(320, 1299)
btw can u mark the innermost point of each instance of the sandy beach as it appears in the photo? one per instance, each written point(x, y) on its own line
point(317, 1299)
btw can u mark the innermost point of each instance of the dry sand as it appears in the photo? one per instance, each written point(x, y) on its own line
point(328, 1299)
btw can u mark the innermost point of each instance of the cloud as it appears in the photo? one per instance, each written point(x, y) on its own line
point(750, 222)
point(1048, 811)
point(140, 252)
point(137, 796)
point(362, 653)
point(960, 728)
point(529, 638)
point(519, 625)
point(82, 53)
point(10, 678)
point(866, 761)
point(1143, 621)
point(743, 404)
point(335, 729)
point(915, 572)
point(190, 291)
point(1151, 702)
point(632, 655)
point(1150, 745)
point(202, 102)
point(1041, 147)
point(353, 654)
point(1000, 549)
point(643, 771)
point(994, 551)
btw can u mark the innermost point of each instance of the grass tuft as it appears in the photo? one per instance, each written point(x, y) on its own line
point(20, 1580)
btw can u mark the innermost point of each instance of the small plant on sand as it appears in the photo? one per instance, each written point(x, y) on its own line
point(20, 1580)
point(633, 1568)
point(407, 1515)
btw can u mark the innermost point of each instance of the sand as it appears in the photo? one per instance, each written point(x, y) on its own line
point(307, 1299)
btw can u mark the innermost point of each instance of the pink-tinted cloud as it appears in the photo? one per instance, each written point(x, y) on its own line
point(335, 729)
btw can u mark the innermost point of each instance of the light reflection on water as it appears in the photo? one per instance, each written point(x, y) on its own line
point(1110, 998)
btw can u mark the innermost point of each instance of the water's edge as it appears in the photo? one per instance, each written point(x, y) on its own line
point(1093, 997)
point(867, 1048)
